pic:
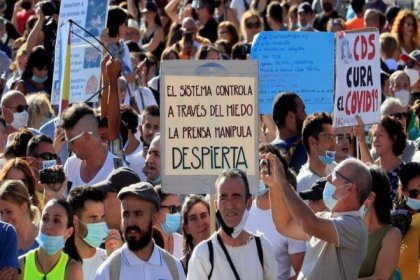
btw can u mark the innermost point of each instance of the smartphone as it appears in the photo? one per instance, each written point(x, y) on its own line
point(188, 37)
point(265, 163)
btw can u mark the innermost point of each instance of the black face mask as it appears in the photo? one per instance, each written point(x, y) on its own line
point(224, 226)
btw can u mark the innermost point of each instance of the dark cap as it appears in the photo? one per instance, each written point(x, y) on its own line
point(392, 12)
point(149, 7)
point(143, 190)
point(118, 179)
point(315, 192)
point(305, 7)
point(415, 55)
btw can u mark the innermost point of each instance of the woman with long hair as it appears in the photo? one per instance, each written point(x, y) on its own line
point(251, 25)
point(35, 75)
point(19, 169)
point(195, 225)
point(57, 256)
point(389, 142)
point(153, 36)
point(17, 209)
point(406, 30)
point(384, 240)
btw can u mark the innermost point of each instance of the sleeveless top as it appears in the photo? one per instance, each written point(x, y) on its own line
point(374, 246)
point(158, 51)
point(32, 273)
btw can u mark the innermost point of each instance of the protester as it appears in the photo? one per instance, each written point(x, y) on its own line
point(338, 239)
point(17, 209)
point(14, 110)
point(406, 29)
point(409, 198)
point(153, 35)
point(57, 256)
point(384, 240)
point(9, 265)
point(139, 256)
point(232, 251)
point(195, 226)
point(39, 109)
point(152, 166)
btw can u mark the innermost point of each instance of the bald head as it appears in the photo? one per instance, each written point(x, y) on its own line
point(10, 96)
point(359, 174)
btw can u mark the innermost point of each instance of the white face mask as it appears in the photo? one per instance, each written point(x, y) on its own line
point(404, 97)
point(413, 74)
point(19, 119)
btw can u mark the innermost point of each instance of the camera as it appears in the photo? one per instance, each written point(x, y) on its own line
point(48, 176)
point(49, 8)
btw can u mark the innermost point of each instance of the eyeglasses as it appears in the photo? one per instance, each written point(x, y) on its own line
point(413, 193)
point(19, 108)
point(47, 156)
point(172, 208)
point(70, 141)
point(329, 137)
point(336, 172)
point(400, 115)
point(251, 25)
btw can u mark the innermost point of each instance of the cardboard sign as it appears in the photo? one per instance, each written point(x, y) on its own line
point(299, 62)
point(358, 81)
point(209, 122)
point(86, 53)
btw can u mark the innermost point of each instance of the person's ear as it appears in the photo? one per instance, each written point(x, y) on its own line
point(370, 200)
point(69, 233)
point(7, 115)
point(249, 202)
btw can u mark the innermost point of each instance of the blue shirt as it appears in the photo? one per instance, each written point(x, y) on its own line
point(8, 246)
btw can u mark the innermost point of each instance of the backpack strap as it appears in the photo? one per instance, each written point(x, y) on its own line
point(211, 256)
point(170, 262)
point(260, 251)
point(115, 265)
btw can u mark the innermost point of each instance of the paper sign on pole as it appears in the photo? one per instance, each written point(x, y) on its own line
point(209, 122)
point(358, 81)
point(86, 53)
point(300, 62)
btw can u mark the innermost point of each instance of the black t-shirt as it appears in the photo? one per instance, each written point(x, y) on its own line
point(209, 30)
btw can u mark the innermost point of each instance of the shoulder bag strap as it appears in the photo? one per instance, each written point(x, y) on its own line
point(171, 264)
point(260, 251)
point(115, 265)
point(228, 257)
point(211, 257)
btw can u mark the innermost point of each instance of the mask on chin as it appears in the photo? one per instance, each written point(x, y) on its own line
point(235, 231)
point(328, 158)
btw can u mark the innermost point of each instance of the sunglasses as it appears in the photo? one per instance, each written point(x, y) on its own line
point(172, 208)
point(400, 115)
point(251, 25)
point(71, 140)
point(413, 193)
point(19, 108)
point(47, 156)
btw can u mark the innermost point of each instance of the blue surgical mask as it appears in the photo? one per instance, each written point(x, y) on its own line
point(50, 244)
point(413, 203)
point(262, 190)
point(96, 234)
point(363, 211)
point(39, 80)
point(328, 158)
point(172, 223)
point(327, 196)
point(156, 181)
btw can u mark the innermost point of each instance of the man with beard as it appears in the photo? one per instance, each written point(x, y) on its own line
point(322, 19)
point(139, 257)
point(152, 165)
point(289, 114)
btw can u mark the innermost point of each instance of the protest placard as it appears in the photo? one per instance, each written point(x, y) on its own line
point(86, 53)
point(209, 122)
point(300, 62)
point(358, 81)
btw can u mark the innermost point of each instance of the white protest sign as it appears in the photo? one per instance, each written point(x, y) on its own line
point(209, 122)
point(86, 53)
point(358, 82)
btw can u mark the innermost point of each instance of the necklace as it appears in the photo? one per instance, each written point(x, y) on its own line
point(40, 265)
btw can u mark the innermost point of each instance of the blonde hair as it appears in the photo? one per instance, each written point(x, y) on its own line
point(14, 191)
point(39, 109)
point(247, 15)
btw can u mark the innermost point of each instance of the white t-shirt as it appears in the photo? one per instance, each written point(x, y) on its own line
point(245, 259)
point(177, 245)
point(147, 100)
point(90, 265)
point(134, 268)
point(72, 171)
point(136, 162)
point(306, 177)
point(240, 8)
point(261, 221)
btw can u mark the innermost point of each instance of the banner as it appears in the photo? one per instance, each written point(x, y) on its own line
point(300, 62)
point(358, 80)
point(86, 53)
point(209, 122)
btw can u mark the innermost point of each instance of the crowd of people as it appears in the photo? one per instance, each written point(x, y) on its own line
point(81, 194)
